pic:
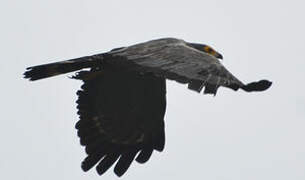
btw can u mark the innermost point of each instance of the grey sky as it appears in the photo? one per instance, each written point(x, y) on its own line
point(233, 136)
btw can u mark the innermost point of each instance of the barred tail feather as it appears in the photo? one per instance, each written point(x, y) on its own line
point(53, 69)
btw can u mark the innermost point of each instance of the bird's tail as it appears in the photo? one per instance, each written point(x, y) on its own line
point(53, 69)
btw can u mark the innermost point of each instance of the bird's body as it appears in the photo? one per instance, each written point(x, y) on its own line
point(123, 99)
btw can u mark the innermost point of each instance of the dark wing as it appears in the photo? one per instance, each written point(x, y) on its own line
point(121, 114)
point(177, 61)
point(122, 102)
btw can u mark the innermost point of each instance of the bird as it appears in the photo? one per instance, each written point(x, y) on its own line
point(122, 101)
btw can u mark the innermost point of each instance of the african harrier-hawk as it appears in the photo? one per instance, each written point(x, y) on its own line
point(121, 104)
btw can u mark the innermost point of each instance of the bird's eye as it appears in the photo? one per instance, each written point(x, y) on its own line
point(209, 50)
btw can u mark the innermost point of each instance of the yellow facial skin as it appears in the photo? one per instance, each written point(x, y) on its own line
point(209, 50)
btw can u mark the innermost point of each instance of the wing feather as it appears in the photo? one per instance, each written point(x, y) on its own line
point(175, 60)
point(122, 102)
point(121, 114)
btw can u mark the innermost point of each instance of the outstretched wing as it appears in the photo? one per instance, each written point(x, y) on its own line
point(121, 115)
point(174, 59)
point(168, 58)
point(122, 102)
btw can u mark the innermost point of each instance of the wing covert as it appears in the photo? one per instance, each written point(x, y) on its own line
point(184, 64)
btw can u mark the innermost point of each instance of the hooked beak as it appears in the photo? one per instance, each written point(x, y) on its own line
point(219, 56)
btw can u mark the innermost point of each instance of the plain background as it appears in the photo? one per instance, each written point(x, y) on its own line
point(233, 136)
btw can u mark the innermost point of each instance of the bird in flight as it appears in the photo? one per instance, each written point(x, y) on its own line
point(122, 102)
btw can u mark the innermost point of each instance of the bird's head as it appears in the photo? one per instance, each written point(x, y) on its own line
point(206, 49)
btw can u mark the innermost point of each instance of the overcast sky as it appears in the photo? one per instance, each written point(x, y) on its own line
point(233, 136)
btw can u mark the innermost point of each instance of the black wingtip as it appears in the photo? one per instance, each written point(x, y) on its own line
point(144, 155)
point(106, 163)
point(91, 160)
point(261, 85)
point(124, 162)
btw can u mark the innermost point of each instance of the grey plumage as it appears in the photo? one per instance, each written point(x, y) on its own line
point(122, 101)
point(174, 59)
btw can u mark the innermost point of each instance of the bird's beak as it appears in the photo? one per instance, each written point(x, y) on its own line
point(219, 56)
